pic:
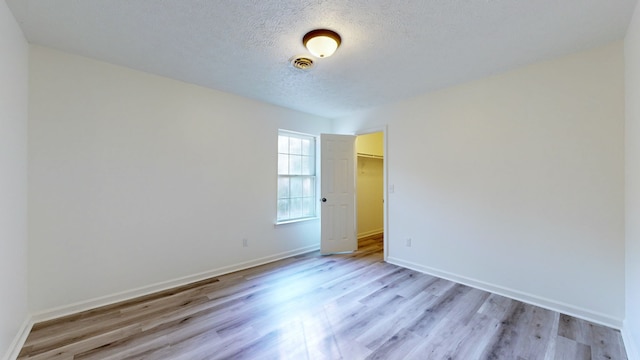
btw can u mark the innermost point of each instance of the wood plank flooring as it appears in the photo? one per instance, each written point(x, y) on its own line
point(351, 306)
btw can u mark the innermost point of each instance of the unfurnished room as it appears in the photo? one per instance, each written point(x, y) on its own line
point(327, 179)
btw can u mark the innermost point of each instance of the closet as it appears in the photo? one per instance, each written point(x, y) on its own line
point(370, 184)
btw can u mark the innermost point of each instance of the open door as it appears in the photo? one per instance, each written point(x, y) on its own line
point(338, 194)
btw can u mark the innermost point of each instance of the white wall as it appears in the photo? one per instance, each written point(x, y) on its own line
point(137, 179)
point(13, 179)
point(632, 210)
point(514, 183)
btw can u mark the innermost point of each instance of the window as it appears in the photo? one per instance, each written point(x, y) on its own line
point(296, 176)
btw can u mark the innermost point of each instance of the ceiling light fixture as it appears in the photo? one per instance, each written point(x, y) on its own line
point(322, 42)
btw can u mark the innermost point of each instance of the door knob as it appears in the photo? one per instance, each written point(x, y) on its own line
point(324, 200)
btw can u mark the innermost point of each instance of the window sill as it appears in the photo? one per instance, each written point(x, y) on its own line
point(280, 223)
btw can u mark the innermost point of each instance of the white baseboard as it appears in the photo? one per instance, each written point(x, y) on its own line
point(161, 286)
point(18, 341)
point(370, 233)
point(596, 317)
point(633, 352)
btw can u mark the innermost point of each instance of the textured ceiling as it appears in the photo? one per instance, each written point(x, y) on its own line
point(390, 49)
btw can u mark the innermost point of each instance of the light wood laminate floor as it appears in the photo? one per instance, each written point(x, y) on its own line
point(351, 306)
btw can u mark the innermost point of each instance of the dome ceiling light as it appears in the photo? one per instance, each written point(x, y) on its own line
point(321, 42)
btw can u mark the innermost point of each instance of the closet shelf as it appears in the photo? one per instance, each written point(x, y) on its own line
point(370, 156)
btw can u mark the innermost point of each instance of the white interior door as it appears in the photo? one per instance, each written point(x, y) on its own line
point(338, 194)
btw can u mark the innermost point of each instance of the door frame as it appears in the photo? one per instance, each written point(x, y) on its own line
point(385, 190)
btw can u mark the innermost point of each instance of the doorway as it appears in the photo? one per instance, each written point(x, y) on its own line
point(370, 195)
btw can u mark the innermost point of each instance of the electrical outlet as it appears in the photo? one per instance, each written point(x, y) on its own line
point(408, 242)
point(245, 242)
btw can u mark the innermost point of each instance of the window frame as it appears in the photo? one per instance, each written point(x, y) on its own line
point(313, 169)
